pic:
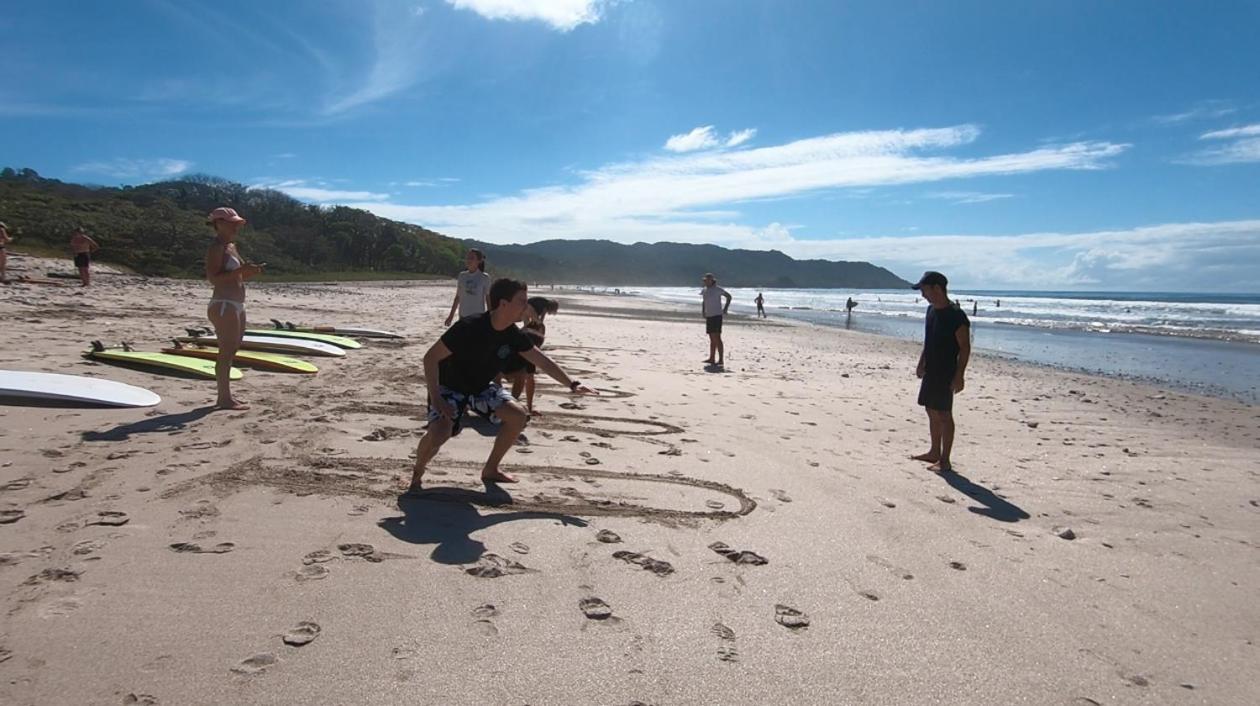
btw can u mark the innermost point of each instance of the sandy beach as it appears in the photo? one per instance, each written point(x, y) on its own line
point(751, 536)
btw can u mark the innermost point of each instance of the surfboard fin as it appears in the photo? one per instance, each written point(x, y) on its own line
point(278, 324)
point(290, 325)
point(97, 347)
point(127, 346)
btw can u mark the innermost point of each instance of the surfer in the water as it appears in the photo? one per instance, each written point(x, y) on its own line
point(472, 287)
point(228, 272)
point(82, 246)
point(460, 370)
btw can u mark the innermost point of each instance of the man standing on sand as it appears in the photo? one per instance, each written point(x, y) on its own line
point(761, 305)
point(460, 370)
point(946, 350)
point(713, 309)
point(83, 246)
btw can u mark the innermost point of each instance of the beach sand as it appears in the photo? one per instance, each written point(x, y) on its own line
point(750, 536)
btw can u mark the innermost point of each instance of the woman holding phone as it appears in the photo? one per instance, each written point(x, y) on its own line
point(227, 272)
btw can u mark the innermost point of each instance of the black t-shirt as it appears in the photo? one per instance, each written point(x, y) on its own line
point(940, 344)
point(478, 353)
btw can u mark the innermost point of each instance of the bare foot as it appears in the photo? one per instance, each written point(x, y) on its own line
point(498, 477)
point(940, 467)
point(413, 490)
point(232, 405)
point(928, 457)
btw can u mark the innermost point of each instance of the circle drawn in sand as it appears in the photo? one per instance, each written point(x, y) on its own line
point(570, 421)
point(572, 491)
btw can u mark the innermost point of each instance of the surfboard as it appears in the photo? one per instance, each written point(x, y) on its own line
point(357, 331)
point(339, 341)
point(182, 363)
point(275, 344)
point(254, 359)
point(74, 388)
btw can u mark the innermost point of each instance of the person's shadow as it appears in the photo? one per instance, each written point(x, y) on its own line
point(165, 423)
point(447, 517)
point(995, 507)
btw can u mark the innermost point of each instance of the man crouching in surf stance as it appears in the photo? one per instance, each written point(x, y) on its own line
point(460, 370)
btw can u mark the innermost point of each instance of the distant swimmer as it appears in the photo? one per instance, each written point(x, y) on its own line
point(712, 308)
point(82, 246)
point(997, 303)
point(5, 239)
point(761, 305)
point(942, 363)
point(227, 272)
point(472, 287)
point(460, 369)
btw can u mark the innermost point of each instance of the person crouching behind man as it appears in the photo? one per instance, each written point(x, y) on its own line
point(460, 370)
point(946, 350)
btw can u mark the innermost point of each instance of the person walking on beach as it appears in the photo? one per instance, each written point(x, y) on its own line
point(761, 305)
point(712, 308)
point(82, 246)
point(460, 370)
point(4, 253)
point(227, 272)
point(942, 363)
point(472, 287)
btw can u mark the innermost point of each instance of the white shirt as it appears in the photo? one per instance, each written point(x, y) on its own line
point(473, 287)
point(712, 300)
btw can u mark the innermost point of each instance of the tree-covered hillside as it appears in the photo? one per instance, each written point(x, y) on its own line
point(160, 228)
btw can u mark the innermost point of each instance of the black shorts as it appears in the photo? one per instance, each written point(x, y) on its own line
point(82, 259)
point(713, 324)
point(937, 392)
point(515, 364)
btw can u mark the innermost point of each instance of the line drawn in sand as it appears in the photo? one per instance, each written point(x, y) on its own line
point(547, 488)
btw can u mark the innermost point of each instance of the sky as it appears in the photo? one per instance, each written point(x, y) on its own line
point(1041, 144)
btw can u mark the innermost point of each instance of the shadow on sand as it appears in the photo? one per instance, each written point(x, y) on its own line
point(995, 507)
point(447, 517)
point(164, 424)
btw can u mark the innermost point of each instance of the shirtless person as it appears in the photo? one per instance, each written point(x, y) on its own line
point(83, 246)
point(460, 370)
point(946, 350)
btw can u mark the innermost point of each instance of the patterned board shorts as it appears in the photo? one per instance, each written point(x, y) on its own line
point(484, 403)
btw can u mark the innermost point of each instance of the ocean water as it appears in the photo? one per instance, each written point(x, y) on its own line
point(1207, 343)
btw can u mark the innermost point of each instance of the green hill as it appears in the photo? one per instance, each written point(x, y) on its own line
point(159, 229)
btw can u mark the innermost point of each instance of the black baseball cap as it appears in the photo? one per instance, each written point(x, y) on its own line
point(930, 277)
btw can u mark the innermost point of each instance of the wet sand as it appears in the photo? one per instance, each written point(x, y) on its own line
point(756, 535)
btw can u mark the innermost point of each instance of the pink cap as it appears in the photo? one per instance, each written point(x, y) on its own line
point(223, 213)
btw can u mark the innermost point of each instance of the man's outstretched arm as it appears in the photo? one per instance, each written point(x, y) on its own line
point(549, 366)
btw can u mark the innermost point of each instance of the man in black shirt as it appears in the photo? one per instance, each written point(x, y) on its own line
point(946, 350)
point(460, 370)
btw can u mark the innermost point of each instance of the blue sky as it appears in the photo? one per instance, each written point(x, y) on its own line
point(1048, 145)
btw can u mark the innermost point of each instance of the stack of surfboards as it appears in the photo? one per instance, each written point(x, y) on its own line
point(52, 387)
point(269, 343)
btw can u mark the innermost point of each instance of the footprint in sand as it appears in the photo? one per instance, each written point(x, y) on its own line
point(140, 699)
point(60, 608)
point(608, 537)
point(737, 556)
point(868, 595)
point(109, 518)
point(780, 495)
point(492, 566)
point(714, 504)
point(726, 653)
point(311, 572)
point(86, 546)
point(595, 608)
point(946, 499)
point(519, 547)
point(958, 565)
point(790, 617)
point(255, 664)
point(53, 576)
point(318, 556)
point(656, 566)
point(896, 570)
point(191, 548)
point(886, 502)
point(357, 549)
point(483, 623)
point(303, 633)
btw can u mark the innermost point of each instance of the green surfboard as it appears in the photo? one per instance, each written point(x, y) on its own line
point(254, 359)
point(184, 364)
point(339, 341)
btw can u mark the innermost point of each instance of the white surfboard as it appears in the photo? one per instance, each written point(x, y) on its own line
point(291, 346)
point(73, 388)
point(339, 330)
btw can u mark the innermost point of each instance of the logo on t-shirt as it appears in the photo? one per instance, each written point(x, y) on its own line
point(504, 351)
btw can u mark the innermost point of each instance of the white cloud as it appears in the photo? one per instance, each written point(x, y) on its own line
point(701, 138)
point(960, 197)
point(739, 137)
point(1218, 256)
point(1245, 131)
point(305, 191)
point(563, 15)
point(1202, 111)
point(398, 43)
point(1243, 146)
point(121, 168)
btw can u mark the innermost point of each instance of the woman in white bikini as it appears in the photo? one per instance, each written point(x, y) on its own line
point(228, 273)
